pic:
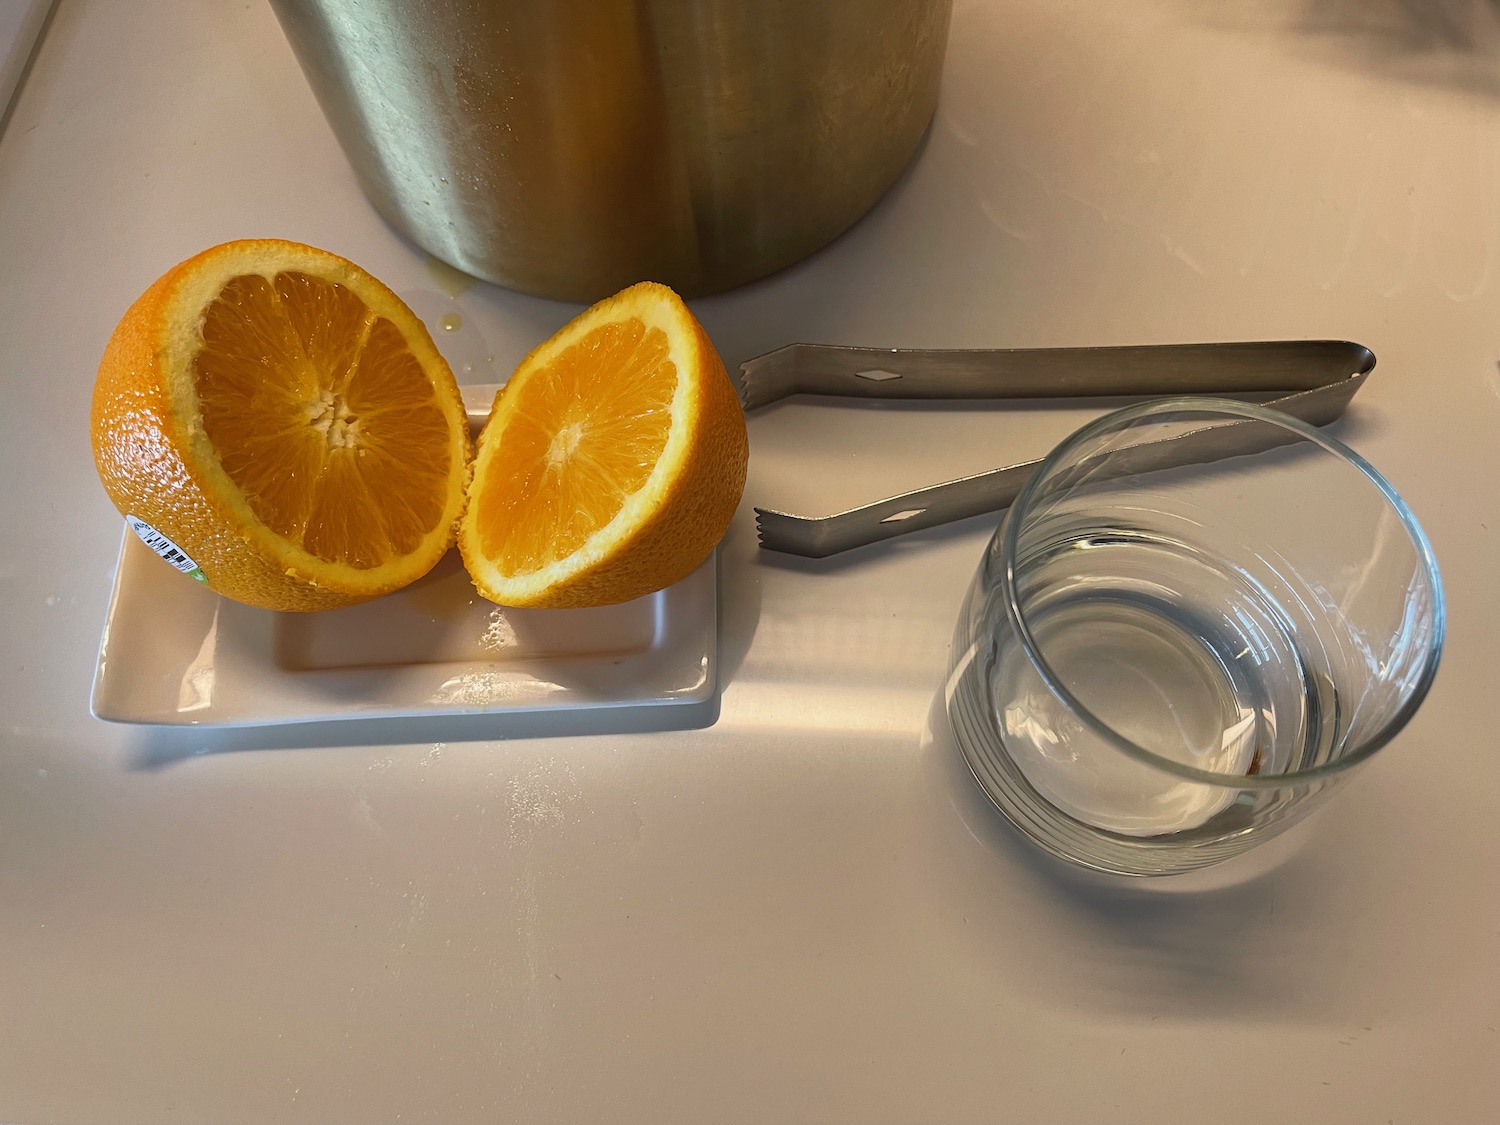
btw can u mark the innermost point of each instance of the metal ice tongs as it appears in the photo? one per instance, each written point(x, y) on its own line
point(1309, 379)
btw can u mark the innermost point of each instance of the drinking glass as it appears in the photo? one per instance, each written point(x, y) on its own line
point(1197, 618)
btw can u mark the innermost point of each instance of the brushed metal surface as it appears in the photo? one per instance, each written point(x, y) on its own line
point(1278, 366)
point(570, 148)
point(1313, 380)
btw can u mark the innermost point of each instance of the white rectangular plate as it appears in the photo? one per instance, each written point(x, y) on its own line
point(175, 653)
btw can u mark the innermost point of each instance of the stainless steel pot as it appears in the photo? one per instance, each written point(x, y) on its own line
point(570, 147)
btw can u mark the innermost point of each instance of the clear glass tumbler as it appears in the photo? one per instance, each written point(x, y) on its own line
point(1197, 616)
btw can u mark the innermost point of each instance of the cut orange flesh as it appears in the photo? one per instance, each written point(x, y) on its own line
point(287, 422)
point(612, 462)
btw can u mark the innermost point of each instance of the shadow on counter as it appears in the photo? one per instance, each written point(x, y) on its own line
point(1235, 941)
point(1451, 43)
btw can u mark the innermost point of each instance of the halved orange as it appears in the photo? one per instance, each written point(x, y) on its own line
point(278, 418)
point(612, 461)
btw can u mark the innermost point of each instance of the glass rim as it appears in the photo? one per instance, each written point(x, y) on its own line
point(1221, 407)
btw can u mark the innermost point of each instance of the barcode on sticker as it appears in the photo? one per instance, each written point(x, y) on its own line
point(164, 547)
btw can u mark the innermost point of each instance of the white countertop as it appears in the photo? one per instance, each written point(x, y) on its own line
point(804, 911)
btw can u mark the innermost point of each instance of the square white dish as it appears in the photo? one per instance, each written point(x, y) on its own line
point(175, 653)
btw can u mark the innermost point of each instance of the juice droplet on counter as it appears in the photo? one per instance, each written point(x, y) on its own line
point(450, 280)
point(451, 322)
